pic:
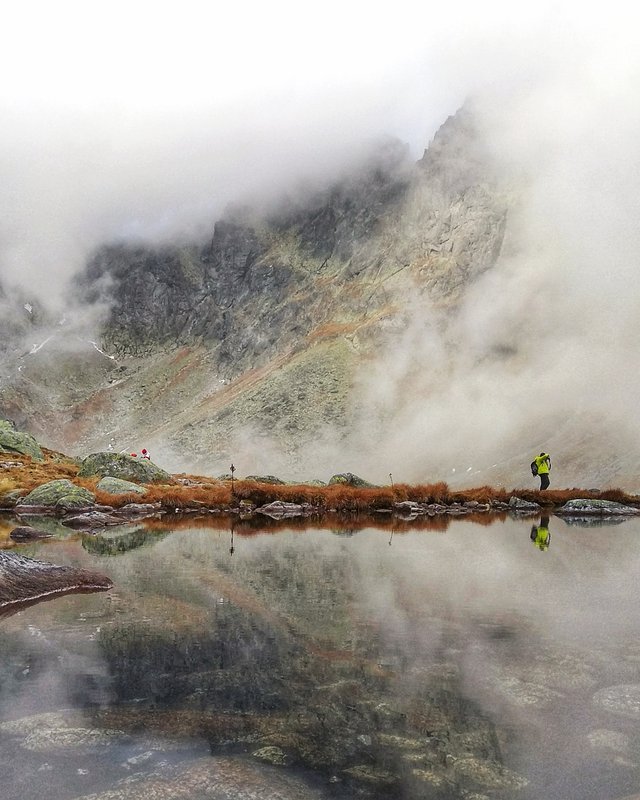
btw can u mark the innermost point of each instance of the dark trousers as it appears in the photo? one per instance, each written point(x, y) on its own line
point(544, 480)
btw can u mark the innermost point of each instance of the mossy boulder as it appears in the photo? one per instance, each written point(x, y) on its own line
point(13, 441)
point(118, 486)
point(349, 479)
point(61, 494)
point(123, 466)
point(265, 479)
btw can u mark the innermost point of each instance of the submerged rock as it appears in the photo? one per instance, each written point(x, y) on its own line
point(124, 467)
point(60, 494)
point(213, 778)
point(623, 700)
point(23, 580)
point(13, 441)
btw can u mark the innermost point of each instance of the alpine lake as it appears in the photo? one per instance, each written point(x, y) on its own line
point(294, 660)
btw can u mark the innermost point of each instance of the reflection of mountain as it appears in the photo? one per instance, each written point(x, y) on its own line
point(272, 634)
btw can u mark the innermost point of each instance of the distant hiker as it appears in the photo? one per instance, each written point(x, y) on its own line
point(541, 535)
point(145, 454)
point(541, 465)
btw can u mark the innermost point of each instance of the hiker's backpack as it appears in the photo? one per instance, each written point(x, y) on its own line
point(534, 468)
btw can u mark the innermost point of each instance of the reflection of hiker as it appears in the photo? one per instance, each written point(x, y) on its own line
point(541, 465)
point(540, 534)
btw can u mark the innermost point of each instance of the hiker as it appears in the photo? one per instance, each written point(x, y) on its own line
point(145, 454)
point(540, 534)
point(541, 465)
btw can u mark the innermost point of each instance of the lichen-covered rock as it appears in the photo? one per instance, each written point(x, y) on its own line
point(587, 506)
point(265, 479)
point(60, 494)
point(112, 485)
point(13, 441)
point(349, 479)
point(123, 466)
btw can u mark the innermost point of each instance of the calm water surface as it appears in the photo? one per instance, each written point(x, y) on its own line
point(461, 662)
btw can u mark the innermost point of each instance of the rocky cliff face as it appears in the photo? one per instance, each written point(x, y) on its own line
point(259, 332)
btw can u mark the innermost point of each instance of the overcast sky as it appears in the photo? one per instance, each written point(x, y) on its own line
point(145, 119)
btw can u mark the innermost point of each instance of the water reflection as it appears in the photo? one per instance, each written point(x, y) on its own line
point(456, 663)
point(540, 534)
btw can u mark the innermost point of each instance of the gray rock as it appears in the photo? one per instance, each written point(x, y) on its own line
point(588, 506)
point(123, 466)
point(112, 485)
point(519, 505)
point(13, 441)
point(265, 479)
point(23, 580)
point(349, 479)
point(279, 509)
point(60, 494)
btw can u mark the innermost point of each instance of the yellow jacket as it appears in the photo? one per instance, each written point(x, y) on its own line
point(544, 463)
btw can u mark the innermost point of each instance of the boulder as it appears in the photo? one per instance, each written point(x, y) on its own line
point(521, 506)
point(60, 494)
point(123, 466)
point(349, 479)
point(265, 479)
point(13, 441)
point(586, 506)
point(112, 485)
point(279, 509)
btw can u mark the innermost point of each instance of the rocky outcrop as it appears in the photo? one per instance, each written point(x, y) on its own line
point(124, 467)
point(59, 495)
point(13, 441)
point(25, 580)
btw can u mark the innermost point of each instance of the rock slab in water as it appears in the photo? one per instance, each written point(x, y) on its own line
point(23, 580)
point(25, 533)
point(123, 466)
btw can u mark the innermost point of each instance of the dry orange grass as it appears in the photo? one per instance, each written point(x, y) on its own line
point(337, 498)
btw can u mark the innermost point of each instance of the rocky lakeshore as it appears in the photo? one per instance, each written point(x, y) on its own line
point(109, 489)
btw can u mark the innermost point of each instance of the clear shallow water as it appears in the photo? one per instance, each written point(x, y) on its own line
point(463, 662)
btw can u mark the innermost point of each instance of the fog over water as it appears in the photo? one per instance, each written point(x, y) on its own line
point(143, 123)
point(469, 630)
